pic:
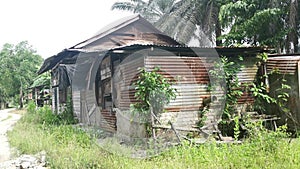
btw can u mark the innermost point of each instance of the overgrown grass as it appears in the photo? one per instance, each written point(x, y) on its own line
point(69, 147)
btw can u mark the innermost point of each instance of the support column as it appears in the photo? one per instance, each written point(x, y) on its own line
point(298, 71)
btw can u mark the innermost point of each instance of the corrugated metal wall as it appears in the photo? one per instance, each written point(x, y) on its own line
point(92, 115)
point(108, 121)
point(190, 79)
point(247, 76)
point(128, 75)
point(183, 70)
point(285, 67)
point(76, 103)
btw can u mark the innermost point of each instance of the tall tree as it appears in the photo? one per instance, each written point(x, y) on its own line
point(185, 20)
point(152, 10)
point(193, 20)
point(293, 21)
point(18, 66)
point(272, 23)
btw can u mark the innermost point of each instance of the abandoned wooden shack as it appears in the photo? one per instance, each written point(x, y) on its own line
point(40, 95)
point(284, 69)
point(99, 74)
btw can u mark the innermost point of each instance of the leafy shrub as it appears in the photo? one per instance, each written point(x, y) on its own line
point(31, 113)
point(45, 116)
point(31, 107)
point(152, 90)
point(66, 117)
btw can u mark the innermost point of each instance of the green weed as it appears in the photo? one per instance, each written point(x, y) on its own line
point(70, 147)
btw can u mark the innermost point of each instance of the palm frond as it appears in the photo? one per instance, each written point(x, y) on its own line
point(210, 18)
point(124, 6)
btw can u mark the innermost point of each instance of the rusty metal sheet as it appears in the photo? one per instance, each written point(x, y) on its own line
point(190, 77)
point(184, 70)
point(283, 64)
point(128, 75)
point(108, 121)
point(76, 103)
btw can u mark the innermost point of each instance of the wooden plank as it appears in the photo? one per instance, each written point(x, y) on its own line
point(282, 67)
point(177, 128)
point(298, 79)
point(92, 110)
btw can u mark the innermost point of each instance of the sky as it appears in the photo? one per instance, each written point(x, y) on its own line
point(53, 25)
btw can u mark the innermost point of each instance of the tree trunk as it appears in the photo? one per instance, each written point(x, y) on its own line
point(292, 38)
point(297, 23)
point(218, 32)
point(21, 98)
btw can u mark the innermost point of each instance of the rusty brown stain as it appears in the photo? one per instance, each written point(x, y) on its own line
point(283, 64)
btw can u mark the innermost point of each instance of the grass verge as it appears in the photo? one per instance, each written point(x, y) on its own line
point(69, 147)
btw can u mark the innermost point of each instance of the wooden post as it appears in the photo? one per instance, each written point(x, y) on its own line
point(35, 96)
point(267, 78)
point(175, 131)
point(57, 100)
point(53, 99)
point(152, 122)
point(298, 67)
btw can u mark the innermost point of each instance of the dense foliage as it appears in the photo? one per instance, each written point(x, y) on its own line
point(151, 10)
point(230, 23)
point(18, 66)
point(268, 23)
point(42, 80)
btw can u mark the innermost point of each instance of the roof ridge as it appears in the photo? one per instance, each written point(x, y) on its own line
point(114, 26)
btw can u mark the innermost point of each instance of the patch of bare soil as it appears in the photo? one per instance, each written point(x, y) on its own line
point(7, 120)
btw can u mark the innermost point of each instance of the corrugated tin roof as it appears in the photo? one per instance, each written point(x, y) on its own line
point(176, 49)
point(109, 29)
point(283, 63)
point(288, 56)
point(226, 51)
point(124, 32)
point(134, 33)
point(51, 62)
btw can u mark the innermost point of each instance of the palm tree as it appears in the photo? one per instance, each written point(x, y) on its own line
point(269, 22)
point(152, 10)
point(184, 20)
point(193, 20)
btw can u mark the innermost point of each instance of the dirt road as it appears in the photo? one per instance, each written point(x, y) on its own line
point(7, 120)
